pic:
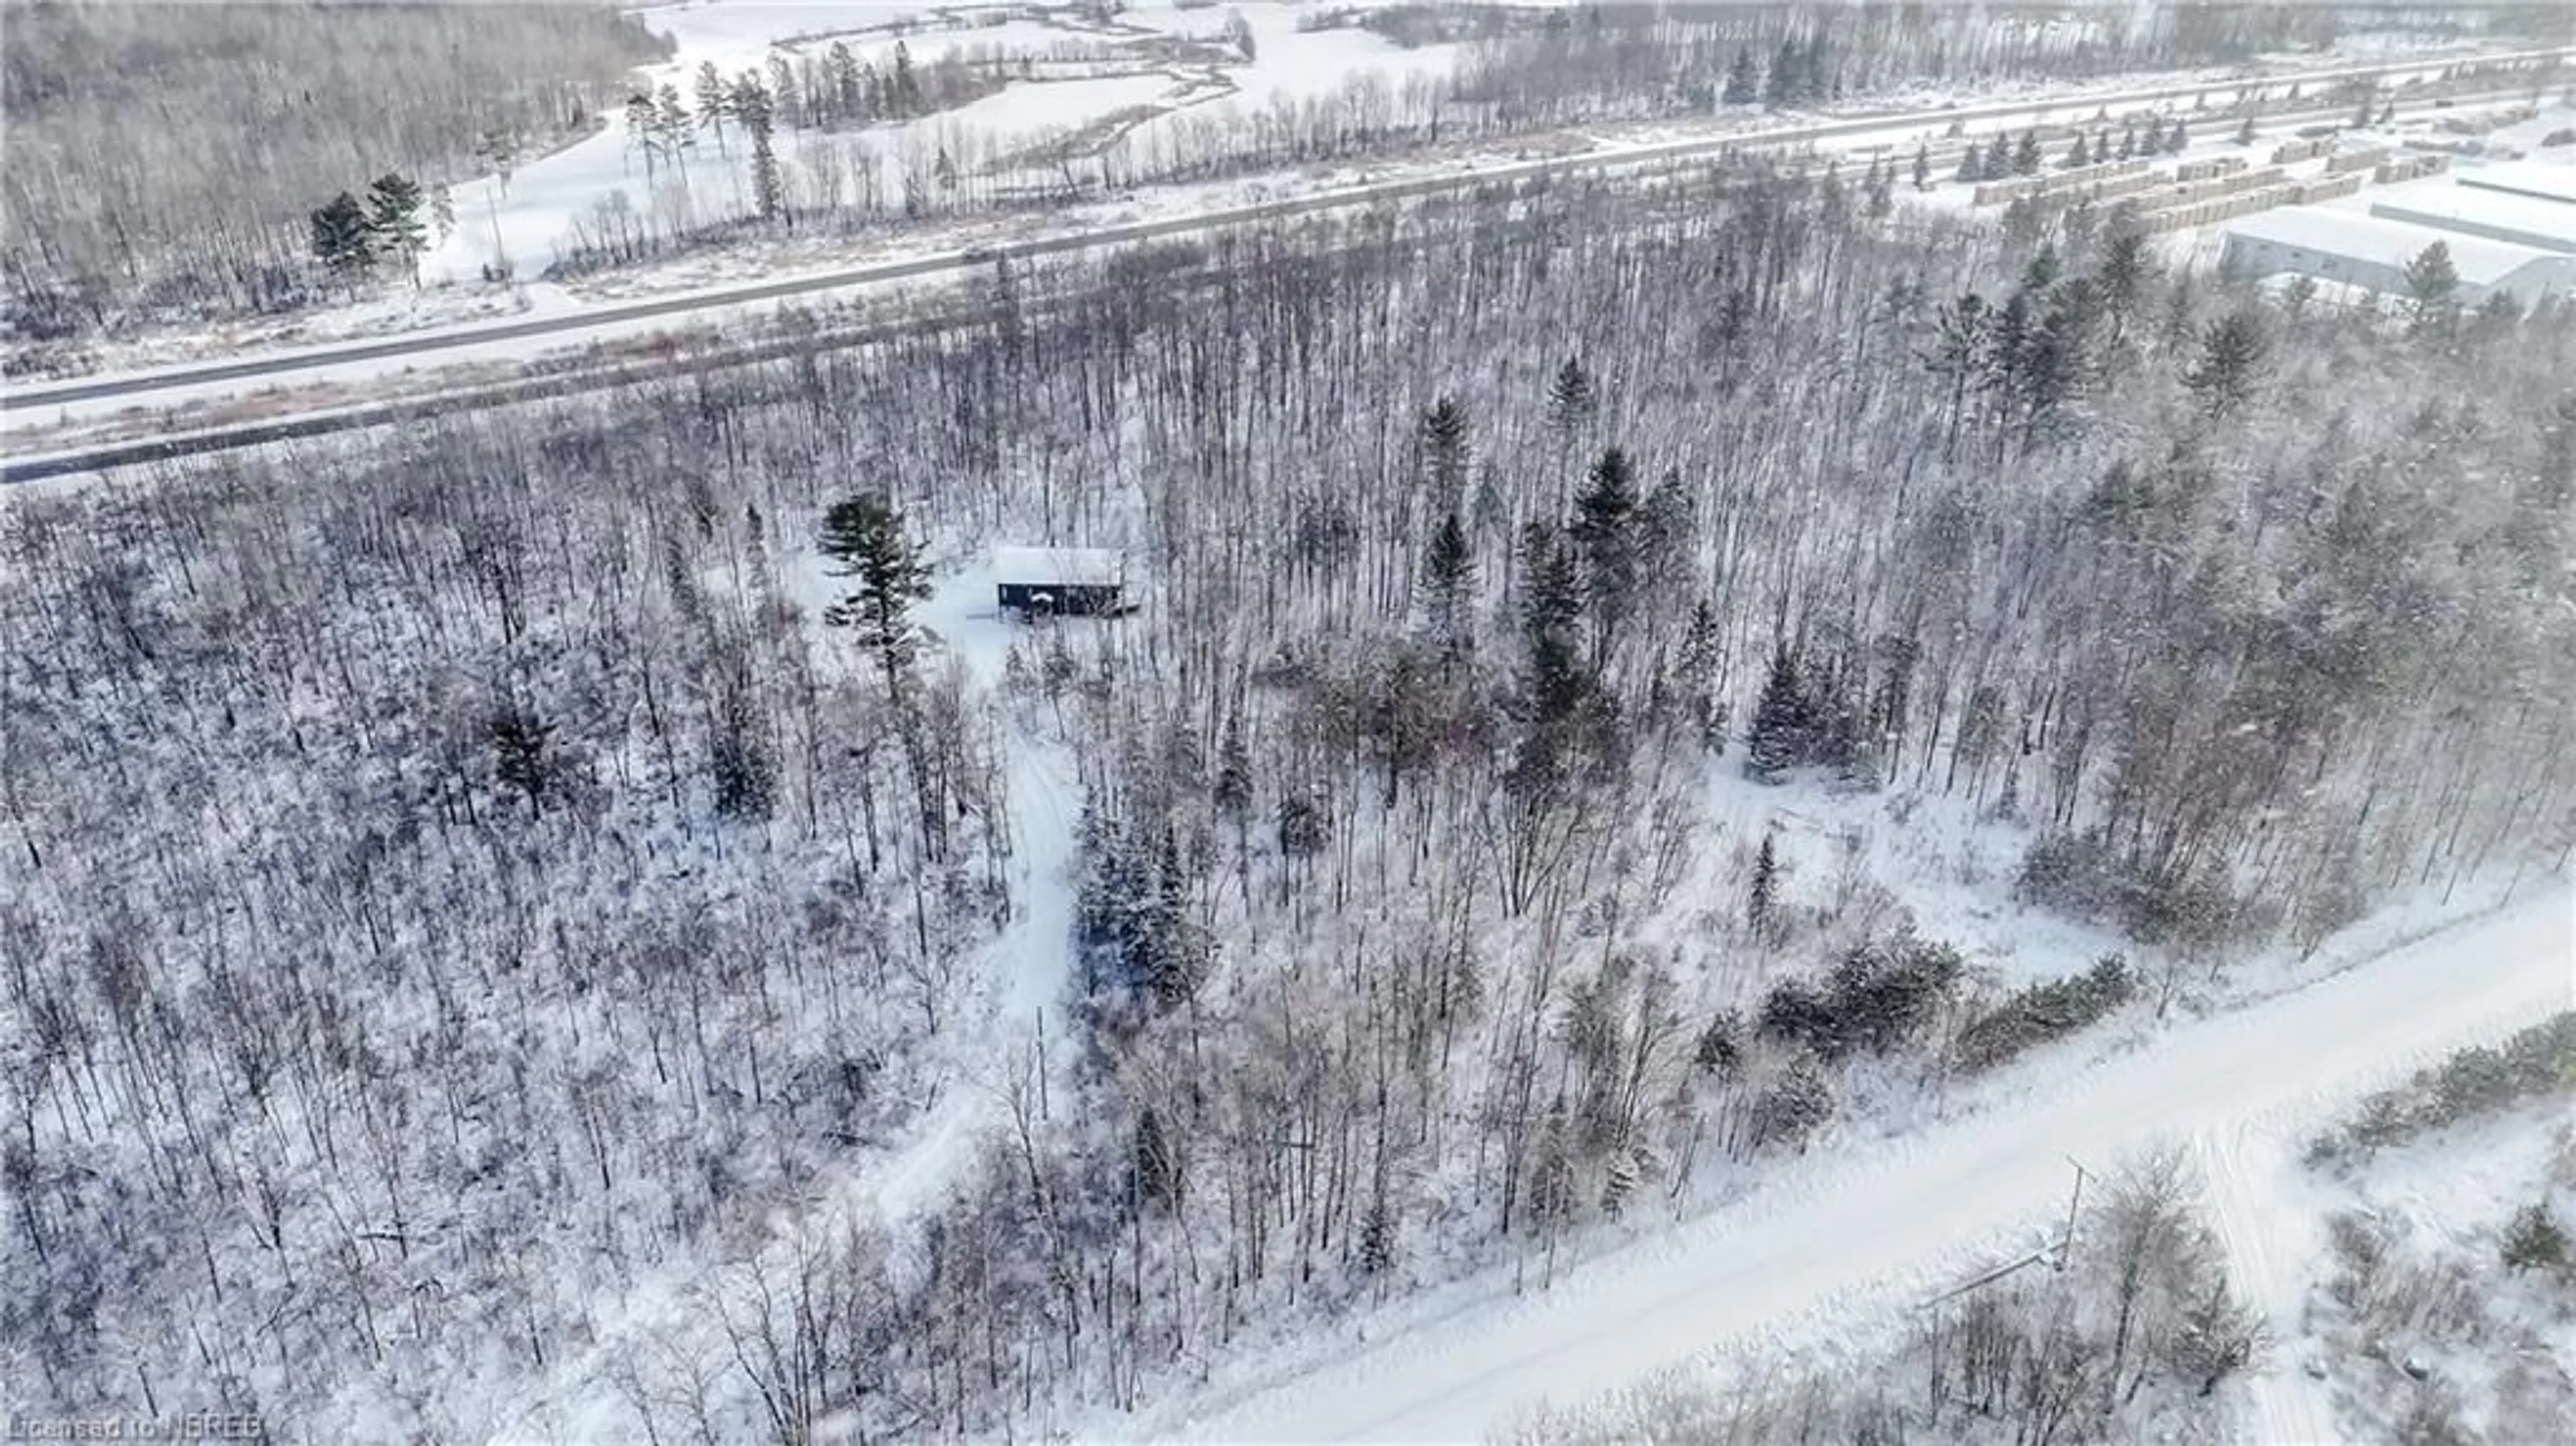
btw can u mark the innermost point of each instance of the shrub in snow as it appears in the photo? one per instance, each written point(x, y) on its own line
point(2083, 876)
point(2474, 1082)
point(2046, 1011)
point(2534, 1241)
point(1880, 995)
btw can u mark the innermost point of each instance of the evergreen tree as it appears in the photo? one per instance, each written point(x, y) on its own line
point(785, 102)
point(1448, 586)
point(1695, 671)
point(394, 228)
point(1445, 452)
point(1762, 897)
point(1570, 401)
point(2178, 139)
point(644, 129)
point(1972, 164)
point(865, 538)
point(1377, 1235)
point(848, 94)
point(2246, 134)
point(678, 129)
point(1743, 79)
point(2128, 142)
point(1233, 793)
point(715, 102)
point(2231, 359)
point(1605, 529)
point(1923, 165)
point(2433, 289)
point(751, 107)
point(2079, 154)
point(1875, 200)
point(1783, 733)
point(339, 232)
point(1173, 957)
point(520, 757)
point(2128, 265)
point(1716, 1051)
point(1819, 72)
point(2026, 156)
point(1999, 159)
point(1156, 1162)
point(1786, 76)
point(745, 776)
point(906, 99)
point(1555, 684)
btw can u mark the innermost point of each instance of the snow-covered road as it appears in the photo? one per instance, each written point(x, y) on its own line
point(1833, 1231)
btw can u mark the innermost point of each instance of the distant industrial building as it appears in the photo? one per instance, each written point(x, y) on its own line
point(2510, 227)
point(2372, 252)
point(2465, 210)
point(2543, 180)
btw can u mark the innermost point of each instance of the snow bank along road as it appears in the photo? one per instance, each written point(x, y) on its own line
point(572, 327)
point(1833, 1227)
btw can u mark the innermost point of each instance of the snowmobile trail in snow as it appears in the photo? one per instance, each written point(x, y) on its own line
point(1838, 1226)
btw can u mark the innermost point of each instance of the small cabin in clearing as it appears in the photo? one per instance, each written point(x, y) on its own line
point(1064, 580)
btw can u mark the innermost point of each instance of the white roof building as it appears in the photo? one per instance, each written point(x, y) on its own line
point(1059, 566)
point(2512, 216)
point(2545, 180)
point(2373, 251)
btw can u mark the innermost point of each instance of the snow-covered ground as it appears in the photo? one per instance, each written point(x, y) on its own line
point(1003, 1020)
point(1846, 1230)
point(531, 221)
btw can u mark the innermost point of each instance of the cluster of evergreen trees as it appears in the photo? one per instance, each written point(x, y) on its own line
point(351, 237)
point(1879, 996)
point(2002, 157)
point(1799, 74)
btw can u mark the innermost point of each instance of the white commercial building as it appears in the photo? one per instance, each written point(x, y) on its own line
point(2372, 252)
point(2541, 180)
point(2462, 210)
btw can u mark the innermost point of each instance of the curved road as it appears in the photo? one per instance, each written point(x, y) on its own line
point(1854, 1228)
point(571, 324)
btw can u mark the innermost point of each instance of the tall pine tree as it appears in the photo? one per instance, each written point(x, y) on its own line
point(1784, 721)
point(865, 538)
point(394, 229)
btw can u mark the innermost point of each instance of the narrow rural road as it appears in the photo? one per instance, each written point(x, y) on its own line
point(1836, 1233)
point(461, 341)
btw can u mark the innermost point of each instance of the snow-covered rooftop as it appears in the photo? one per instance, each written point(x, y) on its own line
point(2549, 225)
point(2362, 237)
point(2550, 180)
point(1067, 566)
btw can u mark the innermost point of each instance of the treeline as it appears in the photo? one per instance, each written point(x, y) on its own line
point(163, 158)
point(1478, 539)
point(1521, 70)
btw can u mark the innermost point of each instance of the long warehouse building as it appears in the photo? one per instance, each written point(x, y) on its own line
point(2506, 227)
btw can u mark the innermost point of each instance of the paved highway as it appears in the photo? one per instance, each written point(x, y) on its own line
point(572, 326)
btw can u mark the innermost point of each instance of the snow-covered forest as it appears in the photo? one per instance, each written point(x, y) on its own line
point(163, 157)
point(171, 165)
point(474, 902)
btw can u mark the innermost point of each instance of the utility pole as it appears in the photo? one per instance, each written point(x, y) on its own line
point(2066, 1243)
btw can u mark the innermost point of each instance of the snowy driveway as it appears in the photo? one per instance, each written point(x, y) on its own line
point(1832, 1229)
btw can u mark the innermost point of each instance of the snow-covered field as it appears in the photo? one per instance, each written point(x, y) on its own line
point(1856, 1230)
point(531, 221)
